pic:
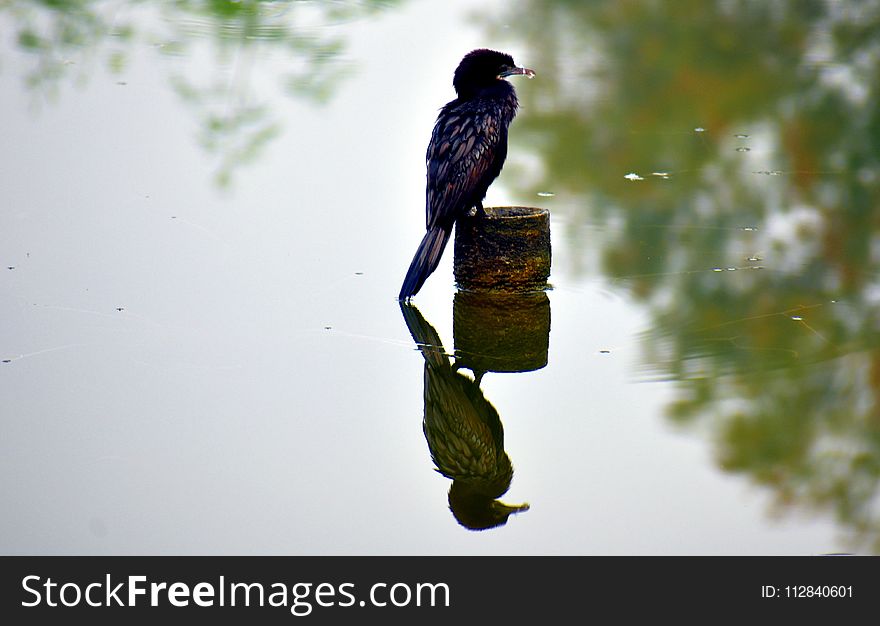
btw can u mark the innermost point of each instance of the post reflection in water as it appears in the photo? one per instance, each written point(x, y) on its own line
point(462, 428)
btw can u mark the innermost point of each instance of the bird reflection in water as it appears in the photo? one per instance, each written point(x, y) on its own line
point(464, 434)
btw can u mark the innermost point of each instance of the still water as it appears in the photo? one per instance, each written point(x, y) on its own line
point(208, 208)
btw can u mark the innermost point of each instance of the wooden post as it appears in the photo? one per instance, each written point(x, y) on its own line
point(506, 250)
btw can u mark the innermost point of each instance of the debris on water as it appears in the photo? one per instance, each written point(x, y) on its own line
point(769, 172)
point(328, 328)
point(749, 228)
point(699, 129)
point(731, 269)
point(633, 176)
point(604, 351)
point(797, 318)
point(753, 259)
point(10, 267)
point(660, 174)
point(358, 273)
point(119, 308)
point(546, 194)
point(7, 360)
point(717, 269)
point(834, 302)
point(741, 136)
point(174, 217)
point(743, 149)
point(121, 82)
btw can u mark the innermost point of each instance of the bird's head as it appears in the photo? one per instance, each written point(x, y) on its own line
point(479, 512)
point(481, 68)
point(474, 502)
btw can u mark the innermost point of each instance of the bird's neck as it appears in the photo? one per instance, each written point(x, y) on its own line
point(496, 90)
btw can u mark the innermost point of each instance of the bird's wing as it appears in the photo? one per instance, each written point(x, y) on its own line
point(456, 426)
point(462, 150)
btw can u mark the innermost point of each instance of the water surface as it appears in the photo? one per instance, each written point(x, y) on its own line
point(208, 208)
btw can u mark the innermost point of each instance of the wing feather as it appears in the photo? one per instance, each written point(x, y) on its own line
point(460, 155)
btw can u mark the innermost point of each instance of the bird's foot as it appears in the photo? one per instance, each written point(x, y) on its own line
point(479, 211)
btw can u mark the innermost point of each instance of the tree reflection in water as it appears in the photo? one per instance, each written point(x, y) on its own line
point(750, 231)
point(66, 39)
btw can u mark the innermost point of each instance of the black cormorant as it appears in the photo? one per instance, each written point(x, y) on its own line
point(466, 153)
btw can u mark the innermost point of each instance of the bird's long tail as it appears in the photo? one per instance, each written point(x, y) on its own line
point(425, 261)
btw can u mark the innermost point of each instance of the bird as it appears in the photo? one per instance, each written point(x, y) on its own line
point(464, 434)
point(466, 152)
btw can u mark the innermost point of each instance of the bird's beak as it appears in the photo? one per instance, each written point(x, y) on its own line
point(509, 509)
point(517, 71)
